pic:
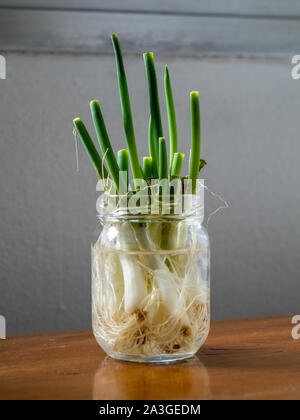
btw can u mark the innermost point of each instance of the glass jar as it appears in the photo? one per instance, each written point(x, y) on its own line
point(150, 285)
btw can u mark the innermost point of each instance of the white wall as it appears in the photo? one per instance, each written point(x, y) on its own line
point(250, 119)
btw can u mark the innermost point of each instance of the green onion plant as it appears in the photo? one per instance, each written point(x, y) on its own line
point(152, 299)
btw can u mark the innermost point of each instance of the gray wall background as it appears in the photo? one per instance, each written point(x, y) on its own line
point(250, 120)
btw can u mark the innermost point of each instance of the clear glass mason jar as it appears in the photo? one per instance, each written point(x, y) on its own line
point(150, 285)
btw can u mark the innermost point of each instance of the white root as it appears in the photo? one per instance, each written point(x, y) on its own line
point(147, 301)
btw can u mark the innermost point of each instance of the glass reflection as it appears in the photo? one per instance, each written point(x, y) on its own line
point(186, 379)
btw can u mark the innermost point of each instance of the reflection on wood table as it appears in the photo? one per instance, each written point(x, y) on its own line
point(241, 359)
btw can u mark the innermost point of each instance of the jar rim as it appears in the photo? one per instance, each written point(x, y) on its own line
point(126, 207)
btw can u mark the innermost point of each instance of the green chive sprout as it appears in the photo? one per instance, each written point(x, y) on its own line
point(153, 148)
point(122, 158)
point(90, 148)
point(147, 167)
point(105, 142)
point(163, 159)
point(171, 116)
point(156, 125)
point(177, 164)
point(195, 138)
point(126, 110)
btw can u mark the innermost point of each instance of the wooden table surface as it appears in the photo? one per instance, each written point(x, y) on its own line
point(241, 359)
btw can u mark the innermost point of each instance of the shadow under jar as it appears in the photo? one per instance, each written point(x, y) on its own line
point(150, 286)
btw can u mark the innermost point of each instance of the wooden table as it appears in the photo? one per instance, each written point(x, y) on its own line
point(242, 359)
